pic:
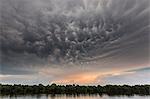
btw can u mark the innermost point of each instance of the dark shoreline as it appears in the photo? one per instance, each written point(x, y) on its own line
point(53, 89)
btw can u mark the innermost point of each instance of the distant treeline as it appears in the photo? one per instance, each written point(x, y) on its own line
point(75, 89)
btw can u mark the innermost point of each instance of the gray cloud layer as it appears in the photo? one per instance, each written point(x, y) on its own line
point(61, 31)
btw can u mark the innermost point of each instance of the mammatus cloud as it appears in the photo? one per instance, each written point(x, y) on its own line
point(39, 33)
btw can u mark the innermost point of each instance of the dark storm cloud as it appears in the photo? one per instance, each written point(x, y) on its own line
point(6, 70)
point(61, 31)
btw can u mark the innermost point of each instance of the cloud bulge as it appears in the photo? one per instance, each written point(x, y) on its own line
point(98, 34)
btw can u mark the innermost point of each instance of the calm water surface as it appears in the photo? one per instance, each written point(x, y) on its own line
point(74, 97)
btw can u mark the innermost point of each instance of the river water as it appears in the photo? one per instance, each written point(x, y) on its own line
point(73, 97)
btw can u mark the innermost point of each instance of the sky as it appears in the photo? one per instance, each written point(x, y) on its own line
point(86, 42)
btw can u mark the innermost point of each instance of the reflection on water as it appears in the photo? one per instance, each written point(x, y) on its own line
point(73, 97)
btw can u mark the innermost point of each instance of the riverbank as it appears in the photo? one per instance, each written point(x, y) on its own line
point(74, 89)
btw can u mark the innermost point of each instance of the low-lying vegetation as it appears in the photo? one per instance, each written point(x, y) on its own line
point(75, 89)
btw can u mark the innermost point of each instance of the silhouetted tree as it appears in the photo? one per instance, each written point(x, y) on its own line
point(75, 89)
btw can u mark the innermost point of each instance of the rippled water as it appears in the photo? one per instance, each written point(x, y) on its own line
point(73, 97)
